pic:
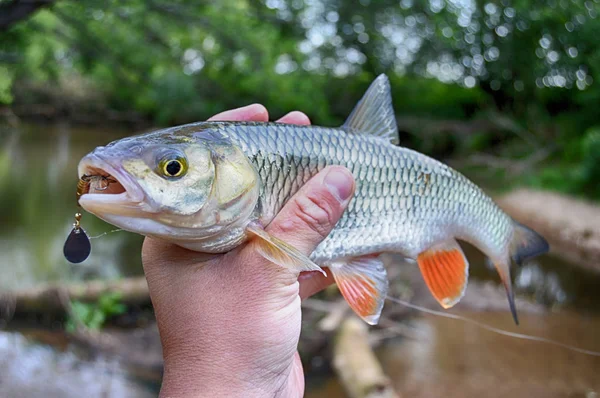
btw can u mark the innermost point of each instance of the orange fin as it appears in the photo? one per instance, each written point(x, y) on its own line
point(363, 283)
point(446, 271)
point(279, 252)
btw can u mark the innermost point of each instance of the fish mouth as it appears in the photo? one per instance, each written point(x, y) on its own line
point(108, 188)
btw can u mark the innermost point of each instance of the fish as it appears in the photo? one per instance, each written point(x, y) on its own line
point(213, 186)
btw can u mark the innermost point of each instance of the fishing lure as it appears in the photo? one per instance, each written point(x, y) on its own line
point(77, 247)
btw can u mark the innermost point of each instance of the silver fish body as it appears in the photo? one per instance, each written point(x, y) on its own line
point(404, 201)
point(211, 186)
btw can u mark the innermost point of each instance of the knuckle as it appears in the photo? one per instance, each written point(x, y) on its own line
point(316, 213)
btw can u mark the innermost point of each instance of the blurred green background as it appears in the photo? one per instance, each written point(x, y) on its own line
point(505, 91)
point(515, 79)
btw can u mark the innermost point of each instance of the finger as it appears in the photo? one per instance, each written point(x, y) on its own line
point(313, 282)
point(295, 117)
point(313, 211)
point(254, 113)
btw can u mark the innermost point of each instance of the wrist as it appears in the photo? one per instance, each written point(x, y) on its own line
point(209, 377)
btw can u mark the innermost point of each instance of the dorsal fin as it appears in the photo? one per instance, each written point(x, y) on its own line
point(374, 113)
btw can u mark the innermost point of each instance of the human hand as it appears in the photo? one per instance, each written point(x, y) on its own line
point(230, 324)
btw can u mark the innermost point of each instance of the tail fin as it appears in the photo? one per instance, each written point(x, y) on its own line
point(526, 244)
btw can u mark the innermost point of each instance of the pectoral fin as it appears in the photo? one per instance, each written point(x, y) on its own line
point(446, 271)
point(279, 252)
point(363, 283)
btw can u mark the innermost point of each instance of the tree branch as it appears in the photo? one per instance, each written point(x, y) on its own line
point(357, 366)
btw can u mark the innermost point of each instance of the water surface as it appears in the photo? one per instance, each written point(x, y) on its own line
point(38, 178)
point(455, 359)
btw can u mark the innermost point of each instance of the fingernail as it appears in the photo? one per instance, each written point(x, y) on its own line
point(340, 183)
point(256, 109)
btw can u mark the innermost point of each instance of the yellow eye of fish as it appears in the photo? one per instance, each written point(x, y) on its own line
point(173, 167)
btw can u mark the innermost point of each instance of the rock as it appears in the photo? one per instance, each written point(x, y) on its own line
point(34, 370)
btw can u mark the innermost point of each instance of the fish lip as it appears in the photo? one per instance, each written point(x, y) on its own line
point(133, 195)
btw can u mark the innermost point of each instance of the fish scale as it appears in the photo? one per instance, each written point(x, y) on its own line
point(392, 206)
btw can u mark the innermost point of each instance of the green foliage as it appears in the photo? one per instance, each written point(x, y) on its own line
point(588, 171)
point(6, 80)
point(534, 62)
point(419, 96)
point(581, 173)
point(94, 315)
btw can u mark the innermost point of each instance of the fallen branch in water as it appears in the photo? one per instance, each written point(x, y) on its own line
point(356, 364)
point(50, 298)
point(335, 317)
point(571, 226)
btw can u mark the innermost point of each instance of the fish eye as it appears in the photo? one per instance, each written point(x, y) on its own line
point(173, 166)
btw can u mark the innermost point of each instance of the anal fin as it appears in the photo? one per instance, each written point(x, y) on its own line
point(363, 283)
point(446, 271)
point(279, 252)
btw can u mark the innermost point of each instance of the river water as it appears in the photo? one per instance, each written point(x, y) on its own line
point(38, 178)
point(443, 358)
point(449, 358)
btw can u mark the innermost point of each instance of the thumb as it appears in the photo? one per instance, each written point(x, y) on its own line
point(311, 214)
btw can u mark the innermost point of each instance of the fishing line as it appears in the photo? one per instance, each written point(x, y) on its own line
point(106, 233)
point(493, 329)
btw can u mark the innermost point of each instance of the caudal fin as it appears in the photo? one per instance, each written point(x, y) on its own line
point(525, 244)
